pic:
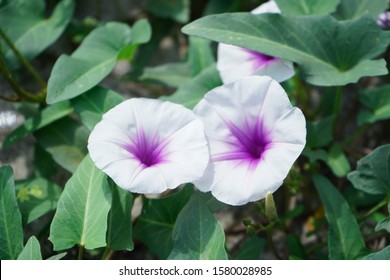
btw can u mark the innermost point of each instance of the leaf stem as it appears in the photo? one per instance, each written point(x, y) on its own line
point(272, 244)
point(107, 253)
point(23, 60)
point(81, 252)
point(337, 107)
point(373, 210)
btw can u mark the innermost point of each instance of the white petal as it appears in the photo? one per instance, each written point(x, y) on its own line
point(267, 7)
point(280, 70)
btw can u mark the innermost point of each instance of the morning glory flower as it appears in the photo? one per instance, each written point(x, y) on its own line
point(383, 20)
point(148, 146)
point(235, 62)
point(254, 136)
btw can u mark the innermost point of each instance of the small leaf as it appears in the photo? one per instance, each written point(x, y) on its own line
point(191, 92)
point(200, 55)
point(170, 74)
point(251, 249)
point(29, 29)
point(320, 133)
point(349, 9)
point(372, 174)
point(82, 210)
point(296, 248)
point(36, 197)
point(307, 7)
point(383, 225)
point(141, 32)
point(338, 161)
point(345, 241)
point(319, 44)
point(119, 231)
point(66, 141)
point(32, 250)
point(57, 256)
point(178, 10)
point(11, 232)
point(197, 234)
point(91, 105)
point(383, 254)
point(40, 120)
point(376, 104)
point(89, 64)
point(154, 226)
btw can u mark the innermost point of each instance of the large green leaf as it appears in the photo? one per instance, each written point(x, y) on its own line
point(91, 105)
point(251, 249)
point(119, 232)
point(383, 254)
point(36, 197)
point(377, 104)
point(82, 210)
point(329, 52)
point(89, 64)
point(345, 241)
point(171, 74)
point(349, 9)
point(372, 174)
point(31, 251)
point(320, 133)
point(66, 141)
point(155, 225)
point(307, 7)
point(11, 232)
point(41, 119)
point(197, 234)
point(178, 10)
point(200, 55)
point(191, 92)
point(31, 32)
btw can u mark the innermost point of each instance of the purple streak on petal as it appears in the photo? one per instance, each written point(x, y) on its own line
point(383, 20)
point(148, 150)
point(260, 60)
point(250, 143)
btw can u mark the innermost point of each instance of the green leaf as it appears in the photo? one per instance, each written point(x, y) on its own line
point(170, 74)
point(36, 197)
point(320, 133)
point(218, 6)
point(89, 64)
point(251, 249)
point(376, 104)
point(200, 55)
point(40, 120)
point(383, 225)
point(27, 26)
point(383, 254)
point(57, 256)
point(191, 92)
point(338, 161)
point(349, 9)
point(197, 234)
point(307, 7)
point(345, 241)
point(119, 232)
point(32, 250)
point(66, 141)
point(82, 210)
point(178, 10)
point(329, 52)
point(372, 174)
point(155, 225)
point(91, 105)
point(11, 232)
point(296, 248)
point(314, 155)
point(141, 32)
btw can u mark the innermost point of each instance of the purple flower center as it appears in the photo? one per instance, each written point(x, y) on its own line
point(260, 60)
point(248, 143)
point(148, 150)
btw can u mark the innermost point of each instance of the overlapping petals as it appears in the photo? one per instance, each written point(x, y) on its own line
point(254, 137)
point(148, 146)
point(235, 62)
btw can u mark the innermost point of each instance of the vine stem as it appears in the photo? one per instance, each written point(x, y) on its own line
point(272, 244)
point(107, 253)
point(23, 60)
point(337, 107)
point(373, 210)
point(81, 252)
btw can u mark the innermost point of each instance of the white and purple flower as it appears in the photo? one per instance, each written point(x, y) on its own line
point(235, 62)
point(148, 146)
point(254, 136)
